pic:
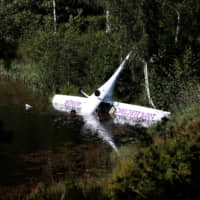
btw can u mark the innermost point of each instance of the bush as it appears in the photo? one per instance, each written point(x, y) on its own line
point(174, 83)
point(166, 169)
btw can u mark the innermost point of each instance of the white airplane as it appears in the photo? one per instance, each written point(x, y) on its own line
point(102, 99)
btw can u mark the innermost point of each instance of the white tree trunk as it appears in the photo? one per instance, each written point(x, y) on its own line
point(147, 85)
point(54, 15)
point(107, 21)
point(178, 26)
point(178, 22)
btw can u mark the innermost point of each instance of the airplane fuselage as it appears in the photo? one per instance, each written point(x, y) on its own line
point(124, 113)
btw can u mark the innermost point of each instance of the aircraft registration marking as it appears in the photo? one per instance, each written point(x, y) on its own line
point(135, 114)
point(72, 103)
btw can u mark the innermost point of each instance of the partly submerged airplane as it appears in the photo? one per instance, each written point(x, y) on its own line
point(102, 99)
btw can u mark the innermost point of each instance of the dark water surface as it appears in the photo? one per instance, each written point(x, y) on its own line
point(42, 145)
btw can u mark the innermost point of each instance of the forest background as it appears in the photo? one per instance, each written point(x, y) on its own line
point(84, 46)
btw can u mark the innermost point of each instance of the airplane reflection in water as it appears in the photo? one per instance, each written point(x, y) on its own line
point(88, 125)
point(93, 124)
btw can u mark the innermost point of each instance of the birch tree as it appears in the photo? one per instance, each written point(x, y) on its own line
point(107, 21)
point(54, 15)
point(147, 84)
point(173, 7)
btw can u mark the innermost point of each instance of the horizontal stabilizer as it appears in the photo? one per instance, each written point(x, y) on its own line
point(83, 93)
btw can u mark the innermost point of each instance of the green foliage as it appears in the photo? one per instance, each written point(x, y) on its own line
point(82, 54)
point(57, 59)
point(167, 168)
point(163, 170)
point(180, 118)
point(174, 83)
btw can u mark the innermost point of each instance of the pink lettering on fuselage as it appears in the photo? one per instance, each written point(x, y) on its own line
point(72, 103)
point(135, 114)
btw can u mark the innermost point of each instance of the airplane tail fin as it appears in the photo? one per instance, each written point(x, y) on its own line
point(105, 92)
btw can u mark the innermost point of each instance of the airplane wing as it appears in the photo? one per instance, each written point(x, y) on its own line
point(66, 103)
point(133, 114)
point(124, 113)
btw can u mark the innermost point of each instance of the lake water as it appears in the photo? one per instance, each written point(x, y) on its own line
point(42, 145)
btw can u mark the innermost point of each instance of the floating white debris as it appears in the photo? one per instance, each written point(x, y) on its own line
point(27, 106)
